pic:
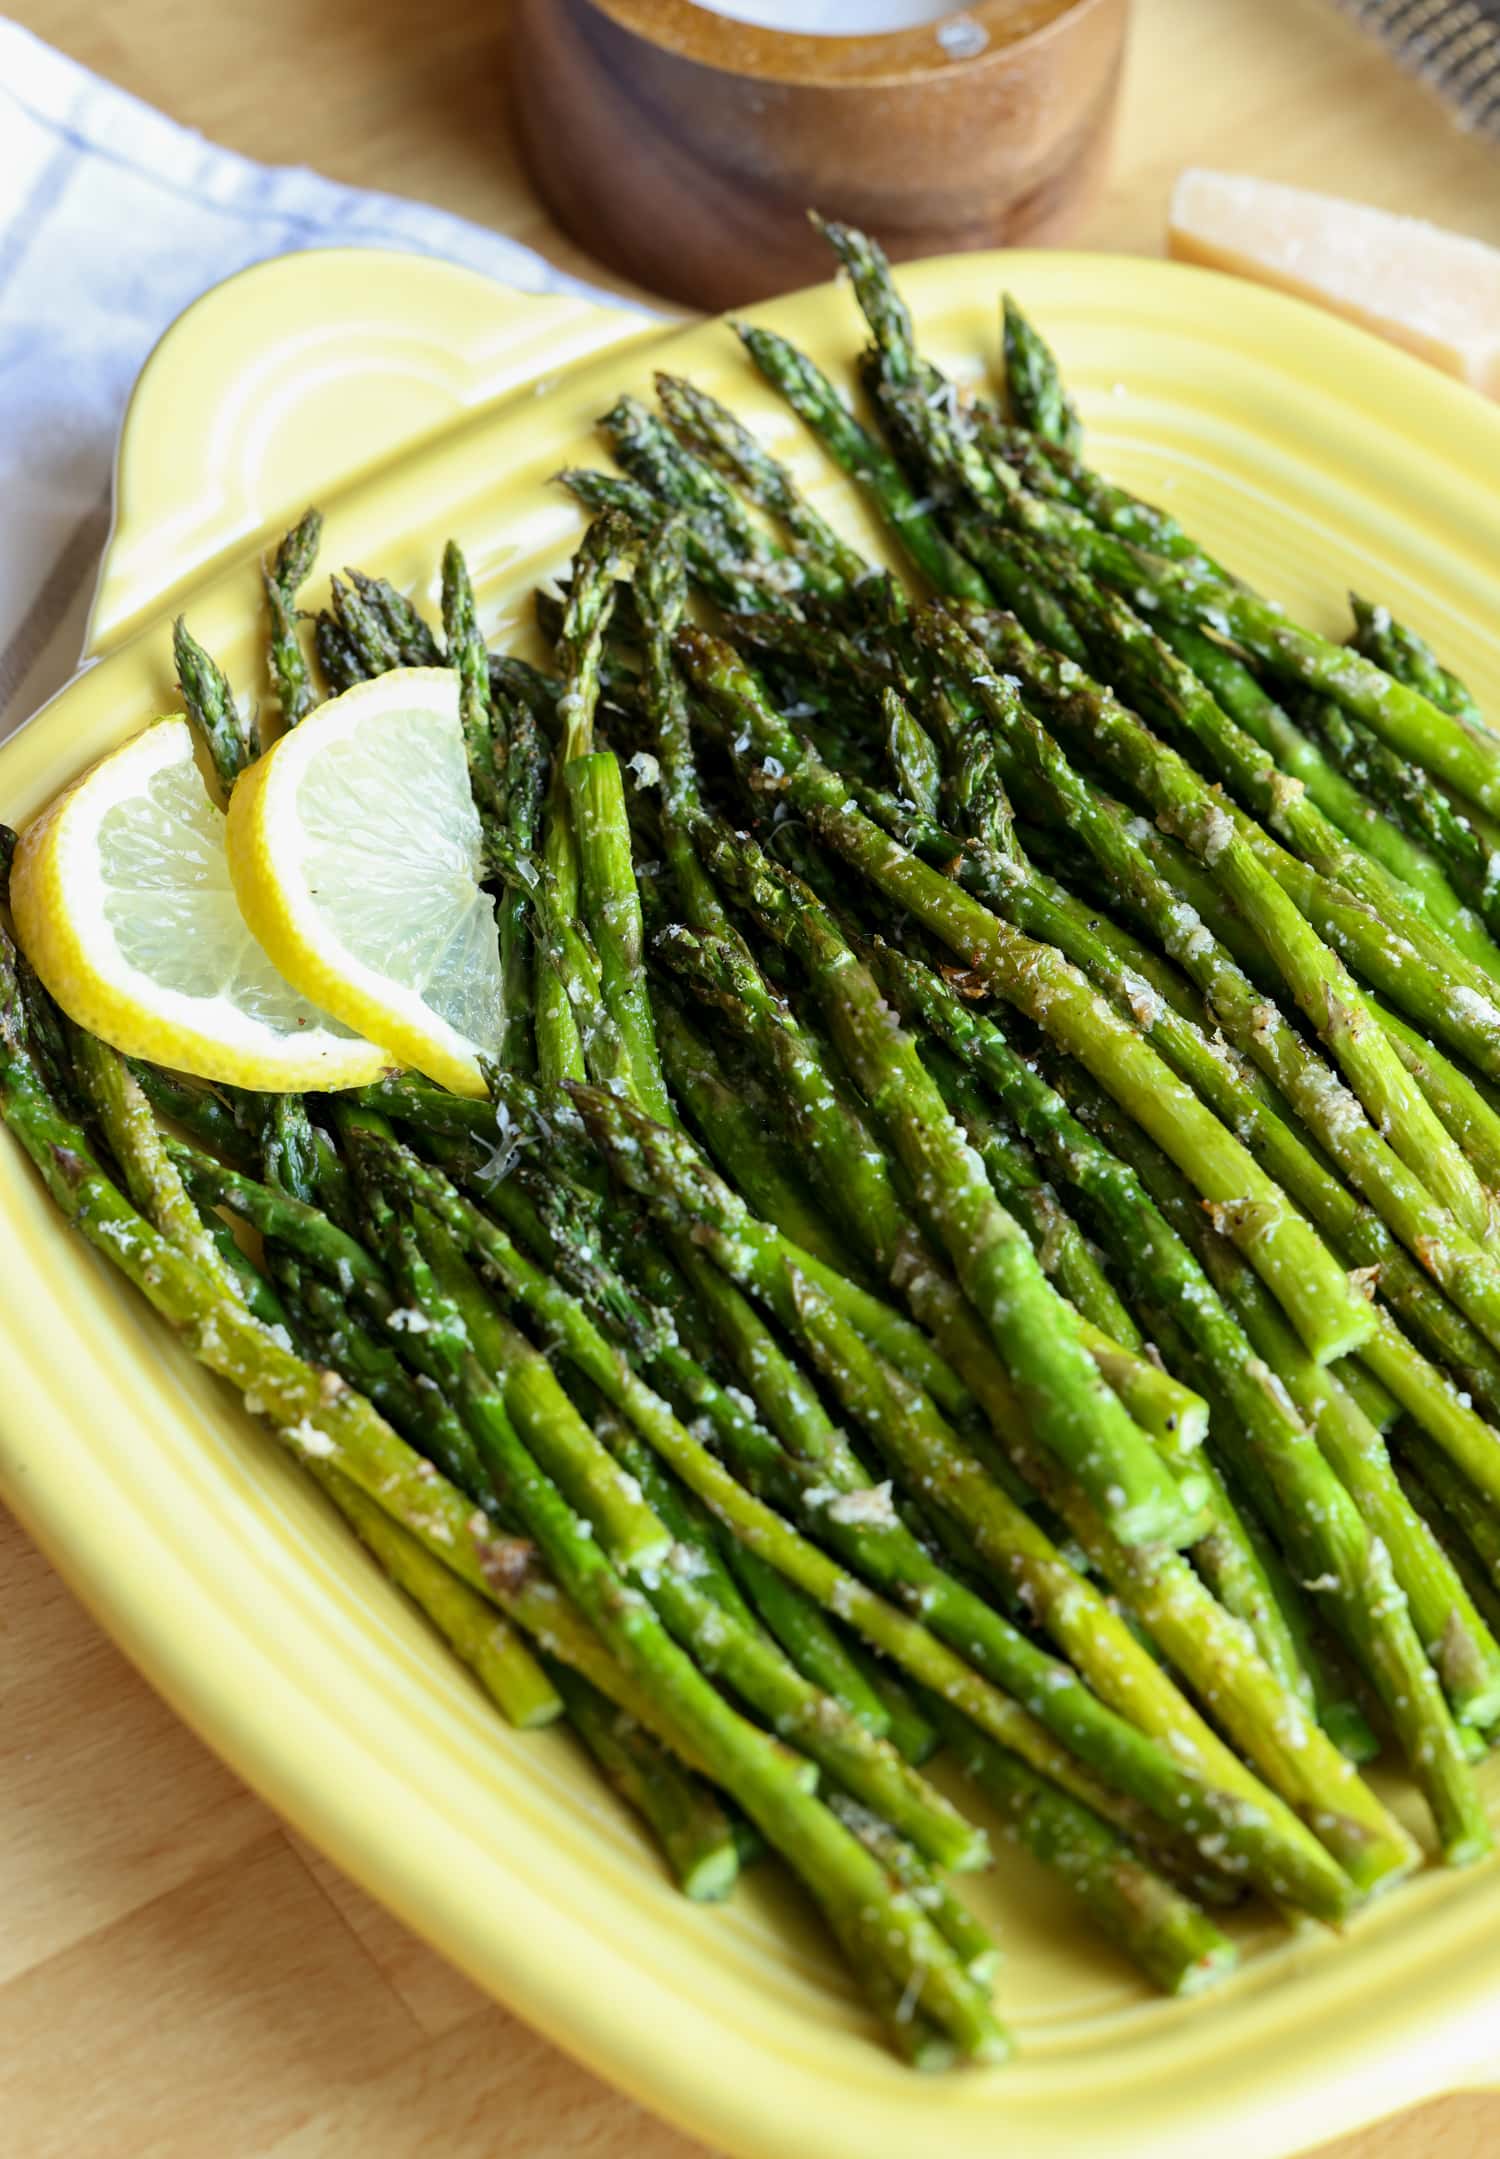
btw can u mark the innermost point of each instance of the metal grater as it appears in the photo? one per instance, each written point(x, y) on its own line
point(1452, 44)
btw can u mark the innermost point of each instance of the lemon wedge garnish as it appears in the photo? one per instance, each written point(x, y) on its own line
point(355, 851)
point(123, 904)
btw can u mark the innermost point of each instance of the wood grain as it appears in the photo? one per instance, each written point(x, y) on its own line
point(177, 1974)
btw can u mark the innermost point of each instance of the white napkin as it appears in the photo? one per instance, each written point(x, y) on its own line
point(112, 220)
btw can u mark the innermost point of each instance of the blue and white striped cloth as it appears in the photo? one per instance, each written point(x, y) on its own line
point(1452, 44)
point(112, 220)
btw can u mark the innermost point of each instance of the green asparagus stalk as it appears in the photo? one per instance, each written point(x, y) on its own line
point(525, 791)
point(1033, 1333)
point(898, 1414)
point(813, 397)
point(1033, 385)
point(289, 569)
point(1467, 1112)
point(1339, 1712)
point(597, 811)
point(323, 1424)
point(130, 1131)
point(1403, 717)
point(713, 431)
point(365, 626)
point(1344, 1513)
point(733, 1125)
point(661, 590)
point(1410, 659)
point(1046, 467)
point(809, 1639)
point(1173, 1942)
point(754, 1525)
point(413, 641)
point(1376, 1402)
point(692, 1828)
point(467, 1622)
point(1253, 1023)
point(1236, 689)
point(913, 754)
point(612, 910)
point(695, 1538)
point(259, 1292)
point(564, 953)
point(340, 663)
point(470, 661)
point(1355, 1232)
point(910, 1732)
point(1175, 1417)
point(1461, 841)
point(652, 455)
point(47, 1030)
point(1458, 1498)
point(560, 1050)
point(1474, 1574)
point(1313, 973)
point(1021, 1185)
point(1206, 1643)
point(1331, 1316)
point(1092, 933)
point(975, 1948)
point(209, 703)
point(871, 1922)
point(1233, 1565)
point(799, 1711)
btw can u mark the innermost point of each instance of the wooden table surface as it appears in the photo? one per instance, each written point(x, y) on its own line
point(178, 1975)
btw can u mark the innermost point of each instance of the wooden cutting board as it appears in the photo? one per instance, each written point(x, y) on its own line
point(178, 1976)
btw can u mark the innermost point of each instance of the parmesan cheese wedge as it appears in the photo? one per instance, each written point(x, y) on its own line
point(1435, 292)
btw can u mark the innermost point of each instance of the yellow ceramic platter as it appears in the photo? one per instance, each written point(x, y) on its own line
point(398, 394)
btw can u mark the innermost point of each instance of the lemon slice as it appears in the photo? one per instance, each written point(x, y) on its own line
point(123, 904)
point(355, 850)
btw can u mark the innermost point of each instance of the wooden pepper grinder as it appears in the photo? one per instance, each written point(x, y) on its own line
point(683, 141)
